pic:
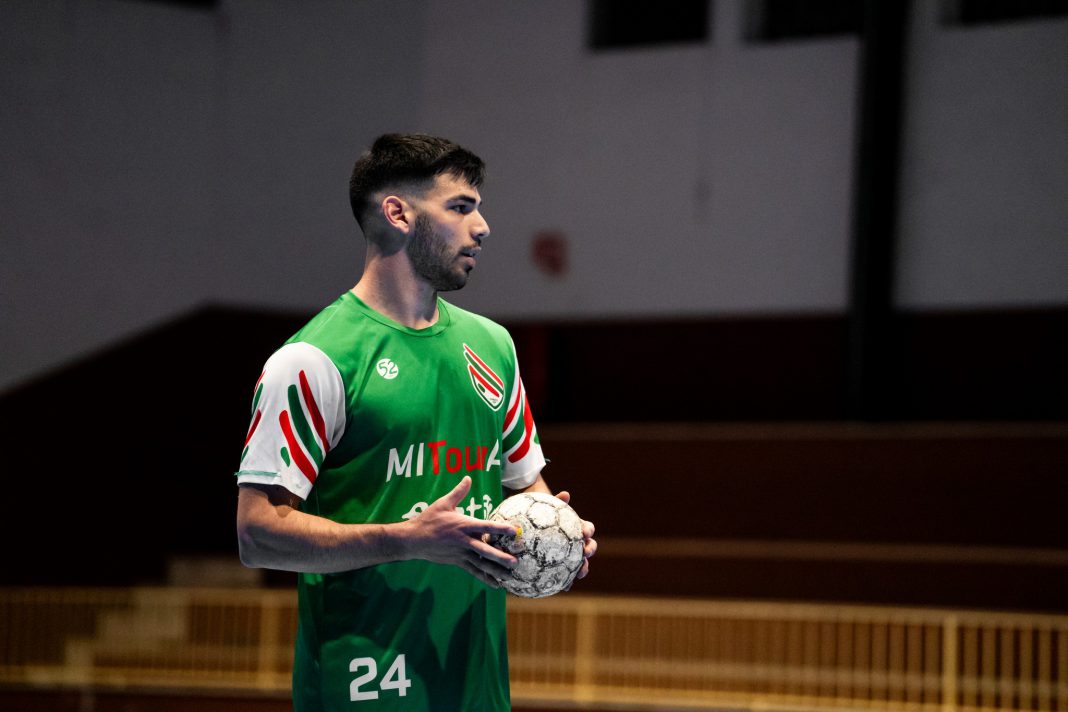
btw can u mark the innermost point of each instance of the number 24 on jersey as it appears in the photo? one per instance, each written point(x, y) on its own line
point(396, 678)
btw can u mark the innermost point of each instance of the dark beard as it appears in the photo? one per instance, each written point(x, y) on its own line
point(433, 259)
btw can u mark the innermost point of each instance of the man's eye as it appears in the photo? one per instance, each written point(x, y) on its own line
point(463, 209)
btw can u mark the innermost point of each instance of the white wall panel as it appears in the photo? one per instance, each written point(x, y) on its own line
point(158, 158)
point(984, 219)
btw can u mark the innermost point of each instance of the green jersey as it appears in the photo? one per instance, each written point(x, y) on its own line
point(369, 421)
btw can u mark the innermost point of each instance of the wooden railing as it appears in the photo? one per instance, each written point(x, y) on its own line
point(570, 650)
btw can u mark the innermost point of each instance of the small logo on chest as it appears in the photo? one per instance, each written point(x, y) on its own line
point(387, 369)
point(487, 384)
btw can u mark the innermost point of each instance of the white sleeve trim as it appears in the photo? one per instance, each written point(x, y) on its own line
point(523, 472)
point(518, 482)
point(298, 417)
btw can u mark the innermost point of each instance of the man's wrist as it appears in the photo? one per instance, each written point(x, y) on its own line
point(395, 541)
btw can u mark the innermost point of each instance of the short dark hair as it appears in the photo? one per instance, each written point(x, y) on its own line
point(409, 158)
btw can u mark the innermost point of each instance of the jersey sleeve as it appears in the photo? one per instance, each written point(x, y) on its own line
point(523, 458)
point(298, 415)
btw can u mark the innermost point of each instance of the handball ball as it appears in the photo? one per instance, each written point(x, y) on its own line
point(548, 546)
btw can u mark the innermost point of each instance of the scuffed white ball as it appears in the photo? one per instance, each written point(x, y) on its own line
point(549, 547)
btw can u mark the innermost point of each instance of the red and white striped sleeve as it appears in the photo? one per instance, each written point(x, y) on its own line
point(523, 457)
point(298, 415)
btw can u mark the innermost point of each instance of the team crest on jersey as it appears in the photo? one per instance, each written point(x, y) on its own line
point(488, 385)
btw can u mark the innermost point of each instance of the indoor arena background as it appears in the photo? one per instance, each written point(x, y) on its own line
point(788, 283)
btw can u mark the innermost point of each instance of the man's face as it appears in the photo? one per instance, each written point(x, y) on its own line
point(447, 234)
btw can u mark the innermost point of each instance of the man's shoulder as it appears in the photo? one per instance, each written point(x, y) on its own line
point(459, 315)
point(329, 319)
point(339, 328)
point(463, 318)
point(336, 331)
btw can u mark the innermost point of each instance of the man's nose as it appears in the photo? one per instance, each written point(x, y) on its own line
point(480, 230)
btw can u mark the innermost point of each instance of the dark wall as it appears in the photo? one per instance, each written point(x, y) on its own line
point(975, 365)
point(919, 514)
point(117, 463)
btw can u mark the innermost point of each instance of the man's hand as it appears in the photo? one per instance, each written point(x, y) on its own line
point(442, 535)
point(590, 546)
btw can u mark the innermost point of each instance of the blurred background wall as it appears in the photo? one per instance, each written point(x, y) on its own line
point(163, 156)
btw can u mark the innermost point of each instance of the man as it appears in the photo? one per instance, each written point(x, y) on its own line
point(383, 434)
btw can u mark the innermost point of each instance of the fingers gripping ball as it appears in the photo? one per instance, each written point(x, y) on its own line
point(548, 543)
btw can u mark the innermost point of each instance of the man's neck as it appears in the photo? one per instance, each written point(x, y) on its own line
point(408, 300)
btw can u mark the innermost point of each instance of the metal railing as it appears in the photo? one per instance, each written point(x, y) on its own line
point(649, 653)
point(707, 654)
point(238, 639)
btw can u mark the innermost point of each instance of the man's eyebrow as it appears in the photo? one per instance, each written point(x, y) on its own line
point(465, 198)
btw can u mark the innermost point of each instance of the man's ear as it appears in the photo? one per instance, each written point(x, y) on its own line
point(397, 213)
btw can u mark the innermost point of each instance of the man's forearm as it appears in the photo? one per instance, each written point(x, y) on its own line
point(284, 538)
point(273, 533)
